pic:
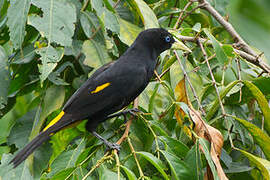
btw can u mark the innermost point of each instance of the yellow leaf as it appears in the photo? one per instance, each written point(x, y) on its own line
point(181, 96)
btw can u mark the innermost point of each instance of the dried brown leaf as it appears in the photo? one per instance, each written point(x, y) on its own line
point(214, 137)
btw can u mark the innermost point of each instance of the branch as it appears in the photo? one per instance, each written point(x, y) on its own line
point(181, 14)
point(250, 58)
point(257, 61)
point(212, 76)
point(189, 82)
point(125, 135)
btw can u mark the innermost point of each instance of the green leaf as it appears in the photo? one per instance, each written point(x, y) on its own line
point(9, 173)
point(197, 27)
point(175, 147)
point(53, 100)
point(60, 163)
point(155, 162)
point(261, 138)
point(262, 164)
point(67, 159)
point(98, 6)
point(128, 31)
point(262, 102)
point(208, 157)
point(228, 49)
point(62, 139)
point(17, 16)
point(28, 55)
point(9, 119)
point(105, 173)
point(5, 79)
point(89, 22)
point(263, 83)
point(55, 76)
point(193, 159)
point(221, 56)
point(145, 12)
point(129, 173)
point(179, 168)
point(215, 105)
point(110, 20)
point(55, 24)
point(49, 58)
point(21, 130)
point(84, 155)
point(157, 127)
point(3, 150)
point(64, 174)
point(96, 54)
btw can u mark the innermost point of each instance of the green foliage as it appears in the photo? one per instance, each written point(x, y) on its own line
point(49, 48)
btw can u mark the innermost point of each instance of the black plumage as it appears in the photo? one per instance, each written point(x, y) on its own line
point(111, 88)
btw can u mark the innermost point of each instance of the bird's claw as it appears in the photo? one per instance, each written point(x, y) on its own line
point(112, 146)
point(133, 111)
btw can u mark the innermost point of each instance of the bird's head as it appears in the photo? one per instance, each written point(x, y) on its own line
point(158, 39)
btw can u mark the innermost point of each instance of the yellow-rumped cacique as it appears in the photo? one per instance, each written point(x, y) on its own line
point(111, 88)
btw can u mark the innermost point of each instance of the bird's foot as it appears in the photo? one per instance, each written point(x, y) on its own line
point(132, 111)
point(112, 146)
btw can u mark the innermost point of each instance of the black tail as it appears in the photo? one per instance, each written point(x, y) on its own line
point(29, 148)
point(39, 140)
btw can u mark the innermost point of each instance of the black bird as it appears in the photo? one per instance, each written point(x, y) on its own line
point(112, 87)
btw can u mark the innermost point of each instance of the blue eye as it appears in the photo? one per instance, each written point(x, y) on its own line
point(167, 39)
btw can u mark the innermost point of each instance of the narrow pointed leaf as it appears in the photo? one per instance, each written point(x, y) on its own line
point(145, 12)
point(155, 162)
point(262, 102)
point(221, 56)
point(260, 137)
point(262, 164)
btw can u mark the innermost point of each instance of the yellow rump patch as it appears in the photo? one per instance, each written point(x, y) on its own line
point(100, 88)
point(55, 120)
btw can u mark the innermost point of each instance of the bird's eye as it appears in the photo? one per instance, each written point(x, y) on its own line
point(167, 38)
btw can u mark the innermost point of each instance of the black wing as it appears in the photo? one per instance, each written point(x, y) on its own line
point(87, 83)
point(108, 90)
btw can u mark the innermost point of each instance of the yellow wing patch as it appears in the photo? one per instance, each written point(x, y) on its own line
point(100, 88)
point(55, 120)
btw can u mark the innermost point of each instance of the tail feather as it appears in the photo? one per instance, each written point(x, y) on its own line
point(29, 148)
point(39, 140)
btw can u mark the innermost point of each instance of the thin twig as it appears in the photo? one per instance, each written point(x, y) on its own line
point(109, 156)
point(171, 16)
point(206, 6)
point(164, 72)
point(212, 76)
point(117, 165)
point(125, 135)
point(156, 74)
point(135, 157)
point(187, 14)
point(250, 58)
point(155, 136)
point(85, 5)
point(99, 162)
point(189, 82)
point(181, 14)
point(239, 78)
point(209, 58)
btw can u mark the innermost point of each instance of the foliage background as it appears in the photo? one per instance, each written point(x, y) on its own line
point(49, 48)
